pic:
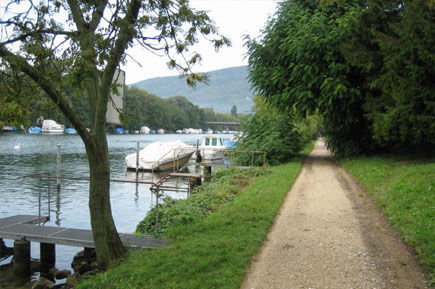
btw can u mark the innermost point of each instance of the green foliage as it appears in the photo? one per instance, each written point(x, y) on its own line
point(399, 44)
point(404, 188)
point(298, 66)
point(143, 108)
point(225, 186)
point(366, 67)
point(213, 252)
point(309, 127)
point(271, 131)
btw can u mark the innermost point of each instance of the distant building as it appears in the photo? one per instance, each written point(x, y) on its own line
point(116, 103)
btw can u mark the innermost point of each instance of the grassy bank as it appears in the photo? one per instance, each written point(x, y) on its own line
point(404, 187)
point(213, 251)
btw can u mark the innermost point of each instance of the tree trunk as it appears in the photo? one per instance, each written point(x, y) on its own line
point(108, 245)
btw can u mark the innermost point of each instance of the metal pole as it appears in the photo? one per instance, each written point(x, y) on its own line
point(137, 160)
point(137, 170)
point(39, 198)
point(48, 195)
point(58, 167)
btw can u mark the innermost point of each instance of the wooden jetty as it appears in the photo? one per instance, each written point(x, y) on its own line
point(27, 228)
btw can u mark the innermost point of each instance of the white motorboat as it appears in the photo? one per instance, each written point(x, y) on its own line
point(145, 130)
point(161, 156)
point(51, 127)
point(212, 147)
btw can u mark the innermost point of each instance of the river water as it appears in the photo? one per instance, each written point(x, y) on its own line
point(22, 155)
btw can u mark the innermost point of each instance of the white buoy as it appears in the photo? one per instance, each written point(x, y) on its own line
point(17, 147)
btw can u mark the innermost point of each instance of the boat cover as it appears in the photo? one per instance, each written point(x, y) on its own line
point(157, 153)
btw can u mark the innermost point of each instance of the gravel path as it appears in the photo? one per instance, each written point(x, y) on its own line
point(328, 234)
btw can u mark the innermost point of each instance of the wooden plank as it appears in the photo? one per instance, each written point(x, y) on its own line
point(10, 229)
point(186, 175)
point(22, 219)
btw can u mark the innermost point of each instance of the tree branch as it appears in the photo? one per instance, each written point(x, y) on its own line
point(77, 15)
point(38, 32)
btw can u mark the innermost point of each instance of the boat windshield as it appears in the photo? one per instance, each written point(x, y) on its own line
point(207, 141)
point(214, 141)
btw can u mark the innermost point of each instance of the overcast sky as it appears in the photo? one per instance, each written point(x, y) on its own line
point(234, 19)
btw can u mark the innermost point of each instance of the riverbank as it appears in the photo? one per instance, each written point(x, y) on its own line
point(212, 252)
point(404, 188)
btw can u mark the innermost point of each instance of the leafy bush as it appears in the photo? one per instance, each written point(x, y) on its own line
point(271, 131)
point(207, 198)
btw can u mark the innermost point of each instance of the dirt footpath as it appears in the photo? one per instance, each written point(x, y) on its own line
point(328, 234)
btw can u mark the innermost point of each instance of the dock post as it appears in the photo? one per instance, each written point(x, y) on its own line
point(207, 173)
point(58, 167)
point(21, 258)
point(48, 256)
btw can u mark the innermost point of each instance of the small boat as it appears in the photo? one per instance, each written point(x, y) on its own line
point(145, 130)
point(34, 130)
point(70, 131)
point(8, 128)
point(119, 130)
point(212, 147)
point(161, 156)
point(51, 127)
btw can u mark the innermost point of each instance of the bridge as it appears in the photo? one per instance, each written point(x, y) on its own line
point(230, 125)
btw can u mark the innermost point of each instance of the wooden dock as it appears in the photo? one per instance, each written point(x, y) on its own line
point(26, 227)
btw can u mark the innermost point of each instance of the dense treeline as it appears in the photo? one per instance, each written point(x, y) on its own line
point(367, 67)
point(143, 108)
point(24, 106)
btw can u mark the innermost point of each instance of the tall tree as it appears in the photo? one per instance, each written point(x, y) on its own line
point(366, 67)
point(298, 64)
point(80, 44)
point(394, 44)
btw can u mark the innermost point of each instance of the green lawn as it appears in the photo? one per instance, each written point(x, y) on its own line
point(214, 251)
point(404, 187)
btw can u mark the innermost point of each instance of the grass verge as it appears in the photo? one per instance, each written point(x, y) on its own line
point(404, 187)
point(214, 251)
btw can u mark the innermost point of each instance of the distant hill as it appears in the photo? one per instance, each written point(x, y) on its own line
point(227, 87)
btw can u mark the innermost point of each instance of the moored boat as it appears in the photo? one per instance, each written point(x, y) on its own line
point(212, 147)
point(161, 156)
point(34, 130)
point(49, 126)
point(70, 130)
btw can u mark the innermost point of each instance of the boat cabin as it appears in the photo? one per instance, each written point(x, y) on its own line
point(212, 141)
